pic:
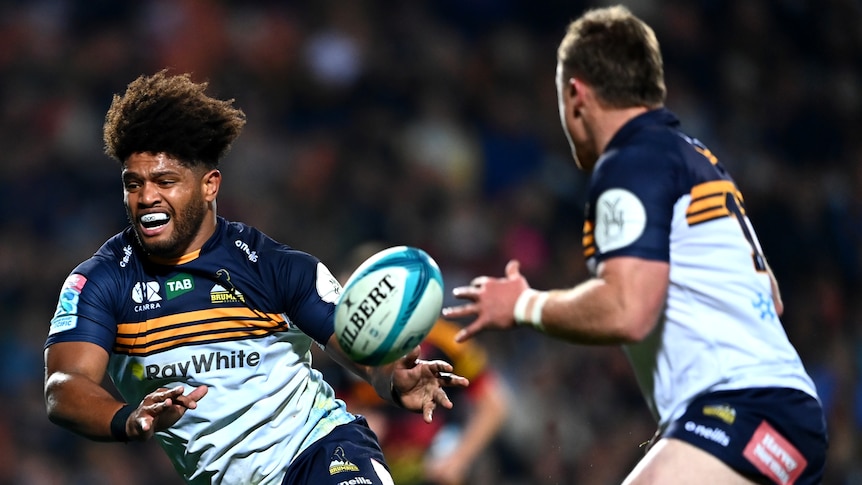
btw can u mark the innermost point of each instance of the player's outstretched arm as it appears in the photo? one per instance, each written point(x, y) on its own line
point(621, 304)
point(75, 398)
point(410, 382)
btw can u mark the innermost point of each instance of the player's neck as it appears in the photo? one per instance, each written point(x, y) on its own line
point(609, 122)
point(205, 232)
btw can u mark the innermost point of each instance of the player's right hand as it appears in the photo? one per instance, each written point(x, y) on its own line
point(160, 410)
point(492, 302)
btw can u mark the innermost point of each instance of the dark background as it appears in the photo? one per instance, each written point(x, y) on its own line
point(433, 123)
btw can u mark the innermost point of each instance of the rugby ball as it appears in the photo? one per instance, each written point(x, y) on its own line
point(388, 305)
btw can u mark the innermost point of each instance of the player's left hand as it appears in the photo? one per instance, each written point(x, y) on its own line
point(417, 385)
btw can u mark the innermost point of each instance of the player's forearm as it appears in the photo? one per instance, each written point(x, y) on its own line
point(80, 405)
point(379, 377)
point(595, 313)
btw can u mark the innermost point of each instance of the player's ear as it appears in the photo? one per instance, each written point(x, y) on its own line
point(211, 183)
point(577, 90)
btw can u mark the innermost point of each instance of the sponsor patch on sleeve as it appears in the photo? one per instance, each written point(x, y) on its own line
point(66, 316)
point(328, 287)
point(620, 219)
point(774, 456)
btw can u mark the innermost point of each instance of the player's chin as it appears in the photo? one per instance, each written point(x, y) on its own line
point(162, 245)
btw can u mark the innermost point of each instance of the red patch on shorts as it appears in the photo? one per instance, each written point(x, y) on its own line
point(774, 456)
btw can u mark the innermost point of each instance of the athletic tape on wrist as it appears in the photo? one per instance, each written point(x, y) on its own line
point(528, 308)
point(520, 313)
point(118, 422)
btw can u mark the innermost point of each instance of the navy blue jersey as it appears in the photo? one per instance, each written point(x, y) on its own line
point(658, 194)
point(238, 316)
point(240, 269)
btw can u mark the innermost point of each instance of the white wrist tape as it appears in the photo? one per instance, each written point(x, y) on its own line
point(528, 308)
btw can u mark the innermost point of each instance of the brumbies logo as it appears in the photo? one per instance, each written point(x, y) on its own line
point(225, 292)
point(219, 294)
point(340, 463)
point(721, 411)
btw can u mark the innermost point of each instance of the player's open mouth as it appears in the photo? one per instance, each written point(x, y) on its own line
point(154, 220)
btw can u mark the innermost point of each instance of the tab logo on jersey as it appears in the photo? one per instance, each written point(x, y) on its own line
point(179, 285)
point(65, 317)
point(339, 463)
point(774, 456)
point(620, 219)
point(146, 295)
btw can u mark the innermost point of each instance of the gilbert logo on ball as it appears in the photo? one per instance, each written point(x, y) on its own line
point(388, 305)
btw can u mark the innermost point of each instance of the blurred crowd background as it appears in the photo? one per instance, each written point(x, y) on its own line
point(433, 123)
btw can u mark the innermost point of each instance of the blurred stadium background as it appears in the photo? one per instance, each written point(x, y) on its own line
point(433, 123)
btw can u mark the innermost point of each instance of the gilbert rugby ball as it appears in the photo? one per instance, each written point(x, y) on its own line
point(388, 305)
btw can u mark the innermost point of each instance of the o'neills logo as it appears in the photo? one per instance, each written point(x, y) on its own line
point(127, 255)
point(249, 253)
point(359, 313)
point(713, 434)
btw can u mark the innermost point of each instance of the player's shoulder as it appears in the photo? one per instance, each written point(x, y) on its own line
point(248, 238)
point(653, 147)
point(644, 141)
point(270, 255)
point(118, 252)
point(105, 274)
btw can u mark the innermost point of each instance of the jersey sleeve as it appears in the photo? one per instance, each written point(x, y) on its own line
point(84, 312)
point(308, 292)
point(632, 197)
